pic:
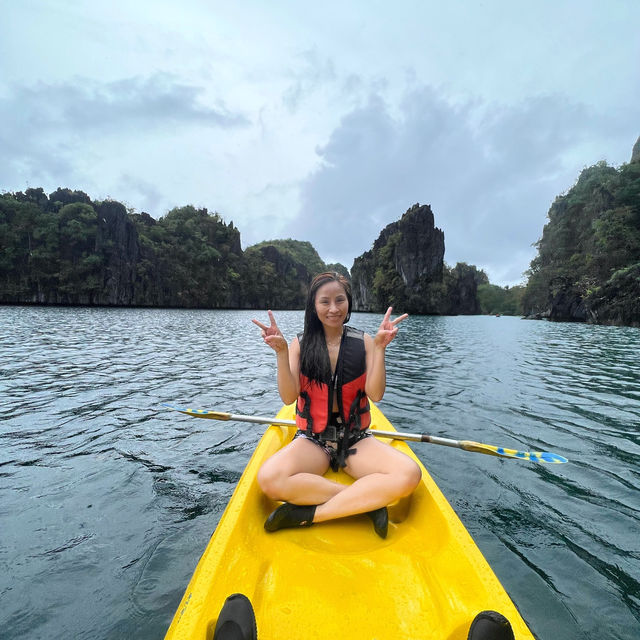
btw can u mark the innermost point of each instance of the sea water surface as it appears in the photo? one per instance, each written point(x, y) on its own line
point(107, 499)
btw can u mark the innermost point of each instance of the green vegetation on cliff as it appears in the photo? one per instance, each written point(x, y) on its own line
point(588, 262)
point(506, 301)
point(280, 271)
point(66, 249)
point(189, 257)
point(298, 251)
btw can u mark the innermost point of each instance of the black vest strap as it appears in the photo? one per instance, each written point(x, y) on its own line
point(306, 410)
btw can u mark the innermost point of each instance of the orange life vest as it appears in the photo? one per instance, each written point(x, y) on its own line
point(315, 402)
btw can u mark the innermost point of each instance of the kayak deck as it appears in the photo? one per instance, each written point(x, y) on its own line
point(426, 580)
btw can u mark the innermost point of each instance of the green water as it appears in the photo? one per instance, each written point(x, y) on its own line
point(107, 500)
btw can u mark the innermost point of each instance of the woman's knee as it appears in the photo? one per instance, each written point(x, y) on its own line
point(270, 481)
point(408, 477)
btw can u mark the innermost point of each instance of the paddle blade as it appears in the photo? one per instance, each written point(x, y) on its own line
point(201, 413)
point(533, 456)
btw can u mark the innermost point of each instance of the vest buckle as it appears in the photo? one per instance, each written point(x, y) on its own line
point(330, 433)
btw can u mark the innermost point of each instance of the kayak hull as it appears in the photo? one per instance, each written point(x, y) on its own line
point(427, 579)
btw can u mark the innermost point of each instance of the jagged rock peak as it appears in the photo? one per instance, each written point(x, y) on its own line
point(406, 258)
point(635, 154)
point(420, 251)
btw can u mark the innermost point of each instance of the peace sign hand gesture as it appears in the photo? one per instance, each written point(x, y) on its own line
point(272, 334)
point(388, 329)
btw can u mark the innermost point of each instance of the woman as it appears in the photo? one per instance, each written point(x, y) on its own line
point(331, 370)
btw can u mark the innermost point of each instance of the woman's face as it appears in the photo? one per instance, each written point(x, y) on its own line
point(332, 305)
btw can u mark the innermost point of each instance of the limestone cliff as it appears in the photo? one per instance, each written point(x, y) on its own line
point(277, 278)
point(405, 269)
point(405, 259)
point(67, 249)
point(588, 263)
point(117, 239)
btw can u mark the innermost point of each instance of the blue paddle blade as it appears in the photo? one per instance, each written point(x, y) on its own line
point(534, 456)
point(553, 457)
point(502, 452)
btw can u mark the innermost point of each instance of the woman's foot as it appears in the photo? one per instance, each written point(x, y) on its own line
point(236, 620)
point(287, 516)
point(380, 519)
point(490, 625)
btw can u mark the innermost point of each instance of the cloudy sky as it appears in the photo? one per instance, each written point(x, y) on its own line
point(324, 121)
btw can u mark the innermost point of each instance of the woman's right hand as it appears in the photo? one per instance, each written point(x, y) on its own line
point(272, 334)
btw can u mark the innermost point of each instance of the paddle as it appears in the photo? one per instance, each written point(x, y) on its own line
point(467, 445)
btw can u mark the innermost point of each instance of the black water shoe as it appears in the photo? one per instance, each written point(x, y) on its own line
point(490, 625)
point(288, 515)
point(380, 519)
point(236, 620)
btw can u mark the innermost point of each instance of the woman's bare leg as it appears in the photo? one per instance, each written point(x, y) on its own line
point(295, 474)
point(383, 474)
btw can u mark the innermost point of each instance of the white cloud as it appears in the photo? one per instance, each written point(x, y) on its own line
point(489, 171)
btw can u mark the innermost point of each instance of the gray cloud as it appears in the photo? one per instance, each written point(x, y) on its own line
point(114, 106)
point(45, 127)
point(315, 72)
point(145, 194)
point(489, 172)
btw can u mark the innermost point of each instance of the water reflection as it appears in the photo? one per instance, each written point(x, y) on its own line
point(107, 500)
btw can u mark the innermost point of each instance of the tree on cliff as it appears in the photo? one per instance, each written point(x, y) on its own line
point(66, 249)
point(588, 258)
point(189, 257)
point(46, 246)
point(506, 301)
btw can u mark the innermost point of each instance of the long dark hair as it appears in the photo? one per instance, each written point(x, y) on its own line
point(314, 357)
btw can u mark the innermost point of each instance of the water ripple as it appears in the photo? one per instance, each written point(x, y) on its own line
point(107, 499)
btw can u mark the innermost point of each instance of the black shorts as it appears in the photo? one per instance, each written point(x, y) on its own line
point(337, 454)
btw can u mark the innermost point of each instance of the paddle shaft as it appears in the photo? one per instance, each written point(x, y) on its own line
point(466, 445)
point(396, 435)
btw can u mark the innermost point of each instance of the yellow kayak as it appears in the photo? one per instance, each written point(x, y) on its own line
point(426, 580)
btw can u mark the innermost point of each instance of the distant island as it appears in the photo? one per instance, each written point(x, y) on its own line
point(65, 249)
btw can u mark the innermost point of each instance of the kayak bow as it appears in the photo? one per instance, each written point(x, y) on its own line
point(426, 580)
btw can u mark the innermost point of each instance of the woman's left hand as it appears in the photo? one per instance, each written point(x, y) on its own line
point(388, 329)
